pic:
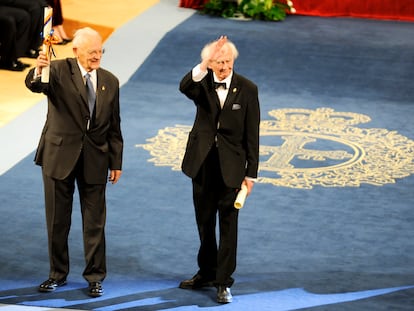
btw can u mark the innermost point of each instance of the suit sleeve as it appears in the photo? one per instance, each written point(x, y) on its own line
point(187, 86)
point(35, 84)
point(115, 139)
point(252, 134)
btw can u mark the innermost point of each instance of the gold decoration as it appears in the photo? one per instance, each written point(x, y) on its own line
point(168, 147)
point(303, 148)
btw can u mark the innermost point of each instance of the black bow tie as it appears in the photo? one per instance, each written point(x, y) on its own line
point(218, 84)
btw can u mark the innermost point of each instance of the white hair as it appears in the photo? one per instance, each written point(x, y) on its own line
point(206, 50)
point(83, 35)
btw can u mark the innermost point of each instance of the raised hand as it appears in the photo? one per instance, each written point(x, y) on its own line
point(42, 61)
point(213, 52)
point(216, 48)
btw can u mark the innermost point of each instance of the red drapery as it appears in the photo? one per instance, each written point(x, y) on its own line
point(193, 4)
point(378, 9)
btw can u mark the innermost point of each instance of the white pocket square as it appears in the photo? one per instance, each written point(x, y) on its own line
point(235, 107)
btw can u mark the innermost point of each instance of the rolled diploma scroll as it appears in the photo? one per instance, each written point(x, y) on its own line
point(47, 29)
point(241, 197)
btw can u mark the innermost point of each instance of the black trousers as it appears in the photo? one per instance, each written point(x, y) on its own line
point(15, 26)
point(35, 8)
point(211, 197)
point(58, 202)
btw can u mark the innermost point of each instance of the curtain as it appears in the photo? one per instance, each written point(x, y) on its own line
point(378, 9)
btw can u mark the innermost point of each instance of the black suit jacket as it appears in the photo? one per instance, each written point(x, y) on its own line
point(237, 136)
point(65, 135)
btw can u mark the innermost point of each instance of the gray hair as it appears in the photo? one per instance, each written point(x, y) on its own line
point(206, 50)
point(83, 35)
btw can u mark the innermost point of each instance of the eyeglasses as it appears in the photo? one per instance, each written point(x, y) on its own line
point(96, 52)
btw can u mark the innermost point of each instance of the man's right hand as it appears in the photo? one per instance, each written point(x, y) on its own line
point(214, 52)
point(41, 62)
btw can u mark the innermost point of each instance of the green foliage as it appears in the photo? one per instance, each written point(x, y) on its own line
point(263, 10)
point(220, 8)
point(268, 10)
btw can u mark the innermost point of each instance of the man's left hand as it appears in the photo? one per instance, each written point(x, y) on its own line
point(114, 176)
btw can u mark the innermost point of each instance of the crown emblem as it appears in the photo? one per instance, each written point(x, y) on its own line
point(303, 148)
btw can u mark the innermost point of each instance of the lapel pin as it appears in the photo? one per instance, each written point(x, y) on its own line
point(235, 90)
point(103, 87)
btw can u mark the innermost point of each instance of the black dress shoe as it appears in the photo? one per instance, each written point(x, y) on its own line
point(14, 66)
point(65, 41)
point(197, 281)
point(32, 53)
point(224, 294)
point(23, 64)
point(95, 289)
point(19, 64)
point(50, 285)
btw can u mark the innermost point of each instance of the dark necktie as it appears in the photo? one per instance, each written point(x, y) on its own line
point(91, 93)
point(218, 84)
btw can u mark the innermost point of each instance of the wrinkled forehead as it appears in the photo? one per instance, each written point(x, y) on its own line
point(90, 43)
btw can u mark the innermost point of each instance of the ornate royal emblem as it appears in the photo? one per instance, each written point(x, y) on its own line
point(303, 148)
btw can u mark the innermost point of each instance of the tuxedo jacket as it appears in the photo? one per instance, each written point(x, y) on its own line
point(234, 128)
point(66, 136)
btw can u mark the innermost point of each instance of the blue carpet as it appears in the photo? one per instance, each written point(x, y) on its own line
point(328, 227)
